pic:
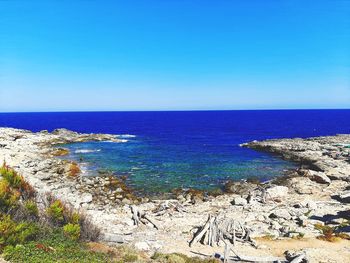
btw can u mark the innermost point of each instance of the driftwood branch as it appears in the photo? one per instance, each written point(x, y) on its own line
point(140, 217)
point(168, 207)
point(216, 230)
point(298, 259)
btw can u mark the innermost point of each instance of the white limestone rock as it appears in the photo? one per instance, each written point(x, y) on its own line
point(277, 191)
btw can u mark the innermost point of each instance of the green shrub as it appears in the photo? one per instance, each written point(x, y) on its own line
point(12, 233)
point(55, 211)
point(72, 231)
point(11, 176)
point(53, 247)
point(31, 208)
point(8, 196)
point(74, 218)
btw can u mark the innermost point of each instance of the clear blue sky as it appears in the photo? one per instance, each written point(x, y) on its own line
point(174, 55)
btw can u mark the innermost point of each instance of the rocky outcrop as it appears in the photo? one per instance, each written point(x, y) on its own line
point(327, 158)
point(285, 209)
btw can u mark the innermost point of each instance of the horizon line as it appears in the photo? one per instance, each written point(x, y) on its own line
point(192, 110)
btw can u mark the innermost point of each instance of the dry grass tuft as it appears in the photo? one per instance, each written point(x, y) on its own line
point(74, 170)
point(329, 233)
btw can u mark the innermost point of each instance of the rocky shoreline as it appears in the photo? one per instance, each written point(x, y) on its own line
point(284, 209)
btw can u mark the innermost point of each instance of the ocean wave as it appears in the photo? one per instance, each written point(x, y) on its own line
point(86, 151)
point(125, 136)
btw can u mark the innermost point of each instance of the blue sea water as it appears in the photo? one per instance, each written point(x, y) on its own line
point(173, 149)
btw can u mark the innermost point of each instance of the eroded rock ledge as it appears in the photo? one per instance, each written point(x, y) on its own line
point(289, 207)
point(329, 155)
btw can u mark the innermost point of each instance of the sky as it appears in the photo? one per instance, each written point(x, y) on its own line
point(174, 55)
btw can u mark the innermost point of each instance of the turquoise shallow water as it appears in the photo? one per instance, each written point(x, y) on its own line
point(154, 168)
point(185, 149)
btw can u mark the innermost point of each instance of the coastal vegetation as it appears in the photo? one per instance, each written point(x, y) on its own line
point(56, 233)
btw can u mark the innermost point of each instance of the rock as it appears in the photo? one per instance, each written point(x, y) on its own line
point(239, 201)
point(311, 205)
point(197, 199)
point(240, 188)
point(277, 191)
point(44, 176)
point(64, 132)
point(302, 221)
point(181, 198)
point(142, 246)
point(118, 190)
point(302, 185)
point(319, 177)
point(126, 201)
point(281, 213)
point(113, 238)
point(85, 198)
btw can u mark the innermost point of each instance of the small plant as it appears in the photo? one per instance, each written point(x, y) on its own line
point(330, 234)
point(31, 208)
point(72, 231)
point(308, 213)
point(74, 170)
point(55, 211)
point(75, 218)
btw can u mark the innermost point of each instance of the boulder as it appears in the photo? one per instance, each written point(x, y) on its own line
point(142, 246)
point(240, 188)
point(277, 191)
point(239, 201)
point(113, 238)
point(302, 185)
point(85, 198)
point(281, 213)
point(44, 176)
point(319, 177)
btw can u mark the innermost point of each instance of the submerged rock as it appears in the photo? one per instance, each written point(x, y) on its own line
point(241, 187)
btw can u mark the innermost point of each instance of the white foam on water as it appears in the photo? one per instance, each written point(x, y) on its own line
point(124, 136)
point(86, 151)
point(119, 140)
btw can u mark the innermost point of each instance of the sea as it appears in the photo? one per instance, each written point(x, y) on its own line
point(164, 150)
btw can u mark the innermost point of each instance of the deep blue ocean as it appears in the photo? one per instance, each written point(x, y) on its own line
point(200, 149)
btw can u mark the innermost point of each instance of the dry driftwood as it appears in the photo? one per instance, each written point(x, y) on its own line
point(299, 259)
point(168, 206)
point(140, 217)
point(237, 257)
point(216, 230)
